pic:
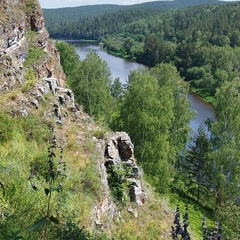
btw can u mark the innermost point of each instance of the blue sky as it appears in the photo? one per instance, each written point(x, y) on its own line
point(74, 3)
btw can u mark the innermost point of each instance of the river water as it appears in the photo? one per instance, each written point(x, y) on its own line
point(121, 68)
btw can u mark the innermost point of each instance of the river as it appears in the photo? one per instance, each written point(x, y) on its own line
point(121, 68)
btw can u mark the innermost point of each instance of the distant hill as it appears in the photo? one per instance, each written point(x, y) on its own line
point(73, 14)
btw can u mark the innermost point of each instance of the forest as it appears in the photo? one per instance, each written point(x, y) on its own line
point(202, 42)
point(154, 110)
point(55, 187)
point(69, 15)
point(197, 47)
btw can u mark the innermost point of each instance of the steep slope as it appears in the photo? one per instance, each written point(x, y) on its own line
point(32, 83)
point(37, 113)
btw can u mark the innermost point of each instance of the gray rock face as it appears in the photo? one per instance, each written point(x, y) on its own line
point(120, 150)
point(21, 26)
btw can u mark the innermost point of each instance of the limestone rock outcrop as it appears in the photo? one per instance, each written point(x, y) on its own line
point(25, 88)
point(22, 27)
point(120, 150)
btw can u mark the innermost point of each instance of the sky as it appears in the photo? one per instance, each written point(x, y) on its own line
point(74, 3)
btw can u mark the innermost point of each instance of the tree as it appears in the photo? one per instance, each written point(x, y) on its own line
point(91, 86)
point(155, 112)
point(168, 76)
point(117, 93)
point(69, 59)
point(116, 88)
point(196, 161)
point(225, 138)
point(147, 114)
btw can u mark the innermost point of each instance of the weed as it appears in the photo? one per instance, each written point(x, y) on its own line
point(53, 177)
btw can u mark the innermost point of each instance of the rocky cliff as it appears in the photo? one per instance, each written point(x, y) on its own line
point(32, 82)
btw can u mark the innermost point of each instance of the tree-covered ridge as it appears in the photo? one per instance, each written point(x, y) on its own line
point(202, 42)
point(72, 14)
point(67, 15)
point(77, 22)
point(94, 28)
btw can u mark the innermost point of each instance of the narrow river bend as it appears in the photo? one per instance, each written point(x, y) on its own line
point(121, 68)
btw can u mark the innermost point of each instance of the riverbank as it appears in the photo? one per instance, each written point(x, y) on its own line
point(121, 68)
point(200, 92)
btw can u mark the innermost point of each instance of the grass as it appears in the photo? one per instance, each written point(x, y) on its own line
point(196, 212)
point(30, 6)
point(31, 35)
point(35, 56)
point(26, 142)
point(30, 81)
point(203, 93)
point(82, 188)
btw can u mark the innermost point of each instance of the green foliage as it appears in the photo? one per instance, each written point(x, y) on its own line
point(90, 180)
point(31, 35)
point(35, 128)
point(94, 27)
point(227, 216)
point(15, 236)
point(196, 164)
point(30, 80)
point(148, 115)
point(69, 59)
point(92, 87)
point(22, 208)
point(118, 183)
point(117, 93)
point(39, 165)
point(69, 230)
point(204, 57)
point(117, 88)
point(96, 20)
point(90, 81)
point(35, 55)
point(53, 175)
point(6, 127)
point(30, 6)
point(224, 168)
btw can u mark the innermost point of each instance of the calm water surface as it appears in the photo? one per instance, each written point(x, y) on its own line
point(121, 68)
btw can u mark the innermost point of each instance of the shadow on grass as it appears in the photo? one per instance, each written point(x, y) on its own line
point(183, 196)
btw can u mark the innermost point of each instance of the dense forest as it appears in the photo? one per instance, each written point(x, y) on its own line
point(154, 110)
point(50, 181)
point(92, 22)
point(200, 45)
point(202, 41)
point(93, 28)
point(74, 14)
